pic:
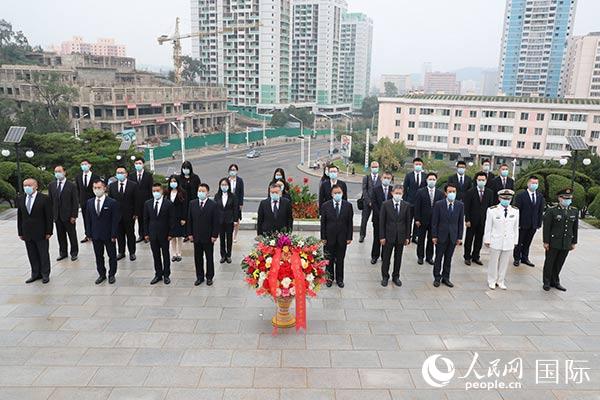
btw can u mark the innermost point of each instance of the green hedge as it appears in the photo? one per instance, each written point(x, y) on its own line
point(594, 207)
point(557, 183)
point(7, 191)
point(580, 178)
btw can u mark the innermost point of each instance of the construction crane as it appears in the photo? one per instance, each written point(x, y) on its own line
point(176, 39)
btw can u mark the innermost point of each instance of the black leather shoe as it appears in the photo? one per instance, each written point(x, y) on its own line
point(447, 283)
point(397, 282)
point(222, 260)
point(340, 284)
point(60, 258)
point(84, 240)
point(558, 286)
point(436, 283)
point(361, 239)
point(329, 283)
point(529, 263)
point(46, 280)
point(178, 259)
point(100, 280)
point(33, 279)
point(155, 280)
point(166, 280)
point(132, 257)
point(73, 258)
point(228, 260)
point(140, 239)
point(478, 262)
point(111, 280)
point(373, 261)
point(199, 282)
point(430, 262)
point(173, 259)
point(516, 263)
point(120, 256)
point(467, 262)
point(546, 287)
point(420, 261)
point(384, 282)
point(209, 282)
point(415, 241)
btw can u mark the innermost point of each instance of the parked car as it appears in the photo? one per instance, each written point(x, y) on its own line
point(253, 154)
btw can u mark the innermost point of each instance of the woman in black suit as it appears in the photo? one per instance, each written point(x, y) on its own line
point(279, 174)
point(180, 204)
point(188, 180)
point(227, 204)
point(237, 187)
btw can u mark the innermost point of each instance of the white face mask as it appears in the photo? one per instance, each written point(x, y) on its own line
point(99, 192)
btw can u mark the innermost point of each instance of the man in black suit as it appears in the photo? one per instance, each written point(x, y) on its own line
point(65, 208)
point(414, 181)
point(159, 223)
point(462, 182)
point(369, 182)
point(204, 224)
point(336, 230)
point(274, 213)
point(102, 226)
point(395, 222)
point(381, 194)
point(424, 201)
point(447, 230)
point(531, 206)
point(144, 180)
point(502, 182)
point(486, 168)
point(477, 200)
point(125, 192)
point(34, 226)
point(85, 191)
point(325, 188)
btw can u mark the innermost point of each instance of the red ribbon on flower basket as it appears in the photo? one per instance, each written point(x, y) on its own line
point(300, 285)
point(273, 274)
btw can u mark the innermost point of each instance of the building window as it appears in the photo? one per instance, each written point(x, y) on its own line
point(470, 141)
point(424, 138)
point(398, 110)
point(576, 132)
point(539, 131)
point(556, 132)
point(473, 114)
point(471, 128)
point(458, 113)
point(457, 127)
point(559, 117)
point(524, 116)
point(506, 114)
point(520, 145)
point(523, 130)
point(412, 111)
point(578, 118)
point(536, 146)
point(398, 122)
point(411, 137)
point(489, 114)
point(554, 146)
point(425, 124)
point(443, 112)
point(541, 117)
point(486, 128)
point(503, 143)
point(411, 124)
point(486, 142)
point(597, 119)
point(455, 140)
point(595, 135)
point(440, 125)
point(396, 135)
point(505, 129)
point(426, 111)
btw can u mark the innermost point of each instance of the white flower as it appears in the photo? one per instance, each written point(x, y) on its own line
point(268, 260)
point(310, 277)
point(286, 282)
point(293, 291)
point(301, 244)
point(278, 292)
point(272, 243)
point(262, 276)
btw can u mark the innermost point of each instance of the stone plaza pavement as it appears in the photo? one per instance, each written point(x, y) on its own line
point(71, 339)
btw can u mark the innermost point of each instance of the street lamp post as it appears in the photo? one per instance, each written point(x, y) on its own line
point(181, 138)
point(301, 138)
point(564, 161)
point(367, 138)
point(331, 133)
point(227, 135)
point(77, 129)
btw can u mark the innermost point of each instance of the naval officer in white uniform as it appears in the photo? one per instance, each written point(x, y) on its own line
point(501, 236)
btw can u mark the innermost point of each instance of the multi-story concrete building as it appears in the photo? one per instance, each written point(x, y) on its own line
point(441, 83)
point(581, 75)
point(112, 95)
point(402, 82)
point(316, 48)
point(533, 46)
point(502, 128)
point(355, 59)
point(102, 47)
point(490, 83)
point(245, 46)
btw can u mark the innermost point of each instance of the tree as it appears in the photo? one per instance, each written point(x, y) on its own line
point(390, 155)
point(56, 95)
point(14, 46)
point(390, 89)
point(370, 106)
point(279, 119)
point(192, 69)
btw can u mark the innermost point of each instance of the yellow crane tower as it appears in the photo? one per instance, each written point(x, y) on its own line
point(176, 39)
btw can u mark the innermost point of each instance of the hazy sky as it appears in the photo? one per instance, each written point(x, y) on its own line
point(449, 33)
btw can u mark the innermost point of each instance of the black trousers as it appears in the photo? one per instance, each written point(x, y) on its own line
point(336, 253)
point(443, 257)
point(84, 215)
point(162, 266)
point(553, 264)
point(521, 252)
point(364, 220)
point(376, 248)
point(474, 241)
point(126, 234)
point(397, 248)
point(226, 239)
point(200, 251)
point(111, 252)
point(39, 257)
point(425, 243)
point(140, 223)
point(62, 230)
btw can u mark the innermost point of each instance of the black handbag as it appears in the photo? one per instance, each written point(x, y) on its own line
point(360, 203)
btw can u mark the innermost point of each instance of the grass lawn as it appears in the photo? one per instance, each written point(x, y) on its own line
point(358, 168)
point(593, 221)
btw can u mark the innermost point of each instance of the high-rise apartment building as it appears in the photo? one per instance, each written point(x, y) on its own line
point(355, 59)
point(490, 83)
point(102, 47)
point(245, 45)
point(441, 83)
point(402, 82)
point(581, 75)
point(533, 46)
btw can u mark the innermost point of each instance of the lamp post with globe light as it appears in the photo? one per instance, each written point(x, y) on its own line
point(565, 160)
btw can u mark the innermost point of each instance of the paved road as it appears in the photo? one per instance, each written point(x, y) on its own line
point(256, 172)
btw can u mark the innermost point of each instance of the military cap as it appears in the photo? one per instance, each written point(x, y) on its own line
point(506, 194)
point(566, 193)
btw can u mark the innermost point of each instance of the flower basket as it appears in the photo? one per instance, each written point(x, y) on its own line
point(285, 267)
point(304, 203)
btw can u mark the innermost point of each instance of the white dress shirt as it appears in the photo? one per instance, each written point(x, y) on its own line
point(224, 197)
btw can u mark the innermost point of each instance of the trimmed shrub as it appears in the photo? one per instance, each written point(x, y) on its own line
point(557, 183)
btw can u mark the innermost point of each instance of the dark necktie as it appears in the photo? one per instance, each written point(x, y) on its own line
point(139, 178)
point(460, 180)
point(385, 193)
point(201, 205)
point(532, 198)
point(431, 197)
point(505, 212)
point(504, 183)
point(398, 208)
point(275, 208)
point(156, 208)
point(450, 208)
point(480, 196)
point(418, 180)
point(337, 209)
point(29, 203)
point(98, 209)
point(59, 188)
point(121, 188)
point(85, 180)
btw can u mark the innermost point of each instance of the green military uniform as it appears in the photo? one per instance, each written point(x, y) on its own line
point(560, 232)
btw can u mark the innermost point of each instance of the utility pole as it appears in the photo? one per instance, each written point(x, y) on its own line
point(247, 136)
point(367, 138)
point(264, 130)
point(182, 139)
point(227, 134)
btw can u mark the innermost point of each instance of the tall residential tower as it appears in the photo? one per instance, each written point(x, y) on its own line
point(533, 46)
point(355, 59)
point(581, 75)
